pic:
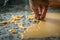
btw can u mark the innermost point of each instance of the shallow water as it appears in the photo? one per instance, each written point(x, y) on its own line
point(52, 22)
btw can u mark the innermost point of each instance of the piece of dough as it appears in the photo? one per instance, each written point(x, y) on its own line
point(35, 20)
point(30, 17)
point(4, 22)
point(20, 25)
point(13, 31)
point(17, 17)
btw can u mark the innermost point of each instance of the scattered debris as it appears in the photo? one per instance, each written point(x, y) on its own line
point(13, 21)
point(25, 28)
point(20, 25)
point(4, 22)
point(30, 17)
point(17, 17)
point(13, 31)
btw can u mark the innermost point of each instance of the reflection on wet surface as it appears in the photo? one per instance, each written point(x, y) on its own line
point(48, 28)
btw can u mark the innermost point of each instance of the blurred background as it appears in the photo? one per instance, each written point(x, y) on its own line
point(53, 4)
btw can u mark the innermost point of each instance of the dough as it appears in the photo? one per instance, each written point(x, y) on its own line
point(17, 17)
point(20, 25)
point(13, 31)
point(30, 17)
point(35, 20)
point(4, 22)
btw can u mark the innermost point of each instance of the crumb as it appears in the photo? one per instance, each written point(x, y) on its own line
point(25, 28)
point(35, 20)
point(4, 22)
point(17, 17)
point(13, 21)
point(20, 24)
point(16, 22)
point(13, 31)
point(30, 17)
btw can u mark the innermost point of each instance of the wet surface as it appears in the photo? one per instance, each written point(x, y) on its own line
point(49, 27)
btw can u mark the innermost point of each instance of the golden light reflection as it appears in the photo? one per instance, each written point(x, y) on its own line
point(48, 28)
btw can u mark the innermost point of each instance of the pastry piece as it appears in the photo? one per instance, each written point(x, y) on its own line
point(17, 17)
point(14, 21)
point(13, 31)
point(20, 25)
point(30, 17)
point(4, 22)
point(35, 20)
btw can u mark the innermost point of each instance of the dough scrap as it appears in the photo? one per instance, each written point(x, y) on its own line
point(17, 17)
point(35, 20)
point(30, 17)
point(13, 31)
point(20, 25)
